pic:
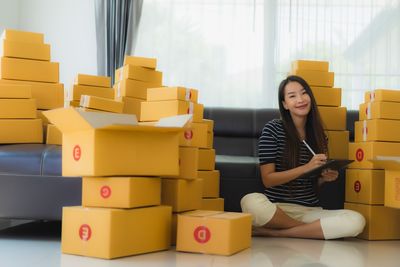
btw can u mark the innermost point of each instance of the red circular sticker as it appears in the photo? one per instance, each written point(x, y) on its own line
point(105, 191)
point(188, 134)
point(85, 232)
point(202, 234)
point(357, 186)
point(359, 154)
point(76, 152)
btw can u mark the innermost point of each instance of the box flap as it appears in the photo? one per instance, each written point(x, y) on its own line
point(201, 213)
point(175, 121)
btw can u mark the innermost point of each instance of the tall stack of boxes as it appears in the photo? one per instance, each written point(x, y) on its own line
point(25, 61)
point(372, 183)
point(328, 99)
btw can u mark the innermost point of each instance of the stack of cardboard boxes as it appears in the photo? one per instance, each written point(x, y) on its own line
point(25, 61)
point(328, 99)
point(372, 183)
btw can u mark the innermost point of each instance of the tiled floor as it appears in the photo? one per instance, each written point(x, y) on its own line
point(38, 244)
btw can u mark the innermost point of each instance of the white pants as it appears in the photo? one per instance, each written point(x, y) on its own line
point(334, 223)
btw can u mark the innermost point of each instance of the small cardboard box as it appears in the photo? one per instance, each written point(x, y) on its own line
point(93, 80)
point(188, 162)
point(327, 96)
point(101, 103)
point(138, 73)
point(181, 194)
point(21, 131)
point(79, 90)
point(377, 130)
point(374, 155)
point(150, 63)
point(382, 95)
point(195, 135)
point(15, 91)
point(155, 110)
point(17, 108)
point(392, 189)
point(172, 93)
point(132, 106)
point(121, 192)
point(316, 78)
point(110, 144)
point(133, 88)
point(379, 110)
point(53, 135)
point(29, 70)
point(338, 144)
point(212, 204)
point(382, 222)
point(35, 51)
point(310, 65)
point(210, 183)
point(213, 232)
point(333, 118)
point(207, 159)
point(47, 95)
point(365, 186)
point(112, 233)
point(22, 36)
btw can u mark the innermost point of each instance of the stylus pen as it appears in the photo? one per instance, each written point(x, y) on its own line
point(309, 148)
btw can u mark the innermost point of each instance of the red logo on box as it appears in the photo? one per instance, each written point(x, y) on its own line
point(85, 232)
point(357, 186)
point(76, 152)
point(105, 191)
point(359, 154)
point(202, 234)
point(188, 134)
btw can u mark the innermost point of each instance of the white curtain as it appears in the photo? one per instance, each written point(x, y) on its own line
point(236, 52)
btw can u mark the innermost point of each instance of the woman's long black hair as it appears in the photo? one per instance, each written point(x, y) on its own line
point(315, 135)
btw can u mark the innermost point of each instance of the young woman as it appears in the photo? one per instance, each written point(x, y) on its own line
point(289, 206)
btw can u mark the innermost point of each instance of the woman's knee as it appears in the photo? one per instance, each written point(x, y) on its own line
point(259, 206)
point(348, 223)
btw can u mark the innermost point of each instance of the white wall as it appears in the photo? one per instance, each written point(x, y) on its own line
point(69, 27)
point(9, 14)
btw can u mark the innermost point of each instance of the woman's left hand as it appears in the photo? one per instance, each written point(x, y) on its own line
point(329, 175)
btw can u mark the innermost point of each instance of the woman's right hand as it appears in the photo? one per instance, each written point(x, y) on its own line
point(316, 161)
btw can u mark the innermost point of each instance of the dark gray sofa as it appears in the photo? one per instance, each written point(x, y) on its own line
point(31, 185)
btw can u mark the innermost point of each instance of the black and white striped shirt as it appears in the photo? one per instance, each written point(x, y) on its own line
point(271, 150)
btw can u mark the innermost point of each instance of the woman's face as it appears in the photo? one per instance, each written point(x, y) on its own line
point(296, 100)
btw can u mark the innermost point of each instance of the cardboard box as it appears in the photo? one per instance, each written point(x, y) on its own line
point(150, 63)
point(47, 95)
point(207, 159)
point(210, 183)
point(132, 106)
point(101, 103)
point(188, 162)
point(15, 91)
point(392, 189)
point(382, 222)
point(17, 109)
point(121, 192)
point(327, 96)
point(155, 110)
point(109, 144)
point(22, 36)
point(79, 90)
point(181, 194)
point(174, 228)
point(39, 115)
point(53, 135)
point(379, 110)
point(210, 140)
point(21, 131)
point(194, 135)
point(24, 50)
point(377, 130)
point(365, 186)
point(172, 93)
point(338, 144)
point(310, 65)
point(374, 155)
point(138, 73)
point(212, 204)
point(29, 70)
point(333, 118)
point(93, 80)
point(133, 88)
point(113, 233)
point(316, 78)
point(382, 95)
point(210, 125)
point(213, 232)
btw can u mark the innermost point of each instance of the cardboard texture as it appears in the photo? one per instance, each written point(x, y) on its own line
point(365, 186)
point(210, 183)
point(338, 144)
point(181, 194)
point(15, 91)
point(188, 162)
point(155, 110)
point(385, 95)
point(327, 96)
point(392, 189)
point(14, 131)
point(374, 155)
point(132, 106)
point(101, 103)
point(212, 204)
point(17, 109)
point(310, 65)
point(133, 88)
point(53, 135)
point(333, 118)
point(150, 63)
point(377, 130)
point(138, 73)
point(207, 159)
point(172, 93)
point(316, 78)
point(195, 135)
point(379, 110)
point(79, 90)
point(22, 36)
point(35, 51)
point(93, 80)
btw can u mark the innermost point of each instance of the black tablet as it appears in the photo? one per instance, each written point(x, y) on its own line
point(333, 164)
